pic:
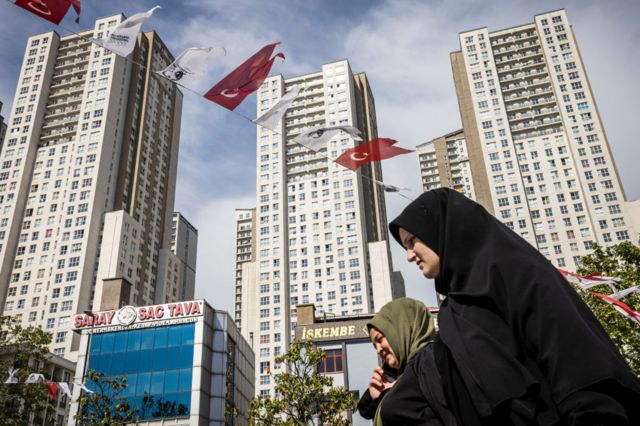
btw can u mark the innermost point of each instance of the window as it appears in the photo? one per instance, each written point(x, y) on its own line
point(332, 362)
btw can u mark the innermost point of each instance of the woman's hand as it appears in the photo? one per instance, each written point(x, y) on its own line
point(378, 383)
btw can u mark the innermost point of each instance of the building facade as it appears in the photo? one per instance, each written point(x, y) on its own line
point(539, 156)
point(444, 161)
point(320, 229)
point(185, 362)
point(177, 264)
point(87, 189)
point(245, 249)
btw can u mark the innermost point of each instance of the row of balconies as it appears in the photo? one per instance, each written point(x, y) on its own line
point(319, 165)
point(521, 75)
point(536, 133)
point(533, 113)
point(529, 93)
point(68, 99)
point(516, 47)
point(75, 89)
point(518, 57)
point(69, 63)
point(535, 123)
point(530, 103)
point(513, 38)
point(519, 65)
point(526, 83)
point(68, 72)
point(60, 112)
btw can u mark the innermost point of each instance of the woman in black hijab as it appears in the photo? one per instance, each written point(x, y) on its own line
point(517, 345)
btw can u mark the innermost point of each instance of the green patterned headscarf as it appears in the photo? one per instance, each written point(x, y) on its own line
point(408, 327)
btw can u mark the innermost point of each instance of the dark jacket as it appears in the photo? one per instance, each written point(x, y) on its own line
point(416, 397)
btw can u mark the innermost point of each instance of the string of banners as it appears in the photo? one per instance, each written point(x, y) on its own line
point(234, 88)
point(38, 379)
point(586, 282)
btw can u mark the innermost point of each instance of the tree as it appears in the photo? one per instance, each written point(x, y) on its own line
point(105, 406)
point(26, 349)
point(303, 396)
point(621, 261)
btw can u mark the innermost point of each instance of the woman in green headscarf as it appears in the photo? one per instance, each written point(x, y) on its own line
point(407, 389)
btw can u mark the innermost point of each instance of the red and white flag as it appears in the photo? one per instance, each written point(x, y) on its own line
point(244, 80)
point(373, 150)
point(51, 10)
point(623, 308)
point(53, 389)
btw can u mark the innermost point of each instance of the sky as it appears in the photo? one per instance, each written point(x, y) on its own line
point(403, 46)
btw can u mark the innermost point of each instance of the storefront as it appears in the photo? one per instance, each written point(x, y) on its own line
point(183, 361)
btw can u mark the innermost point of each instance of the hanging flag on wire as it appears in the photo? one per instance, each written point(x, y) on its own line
point(191, 64)
point(64, 388)
point(621, 307)
point(122, 40)
point(12, 379)
point(82, 386)
point(316, 138)
point(53, 389)
point(373, 150)
point(51, 10)
point(391, 188)
point(271, 118)
point(34, 378)
point(585, 282)
point(244, 80)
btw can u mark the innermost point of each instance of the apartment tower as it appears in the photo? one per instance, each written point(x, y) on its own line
point(87, 189)
point(320, 229)
point(245, 249)
point(539, 156)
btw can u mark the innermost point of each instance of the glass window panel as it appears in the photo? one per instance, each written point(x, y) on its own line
point(187, 334)
point(184, 403)
point(133, 342)
point(107, 342)
point(185, 380)
point(96, 343)
point(120, 344)
point(130, 390)
point(117, 364)
point(171, 378)
point(145, 361)
point(185, 359)
point(99, 362)
point(157, 382)
point(146, 338)
point(160, 340)
point(143, 385)
point(172, 358)
point(175, 336)
point(159, 359)
point(132, 362)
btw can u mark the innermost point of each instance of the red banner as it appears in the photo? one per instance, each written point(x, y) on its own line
point(51, 10)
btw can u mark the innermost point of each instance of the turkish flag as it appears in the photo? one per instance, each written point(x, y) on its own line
point(244, 80)
point(51, 10)
point(373, 150)
point(53, 389)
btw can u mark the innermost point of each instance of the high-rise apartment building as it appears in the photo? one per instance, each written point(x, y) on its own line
point(88, 179)
point(177, 264)
point(320, 229)
point(538, 153)
point(245, 249)
point(444, 161)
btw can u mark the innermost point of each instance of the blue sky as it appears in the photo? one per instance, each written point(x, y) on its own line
point(403, 46)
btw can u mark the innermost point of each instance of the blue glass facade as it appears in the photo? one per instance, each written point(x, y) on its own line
point(157, 362)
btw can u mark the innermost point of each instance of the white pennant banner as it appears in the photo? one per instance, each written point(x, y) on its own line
point(191, 64)
point(271, 118)
point(122, 40)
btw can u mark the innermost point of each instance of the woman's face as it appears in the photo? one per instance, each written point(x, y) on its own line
point(381, 344)
point(417, 251)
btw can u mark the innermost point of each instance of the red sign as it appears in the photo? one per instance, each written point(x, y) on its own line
point(128, 315)
point(51, 10)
